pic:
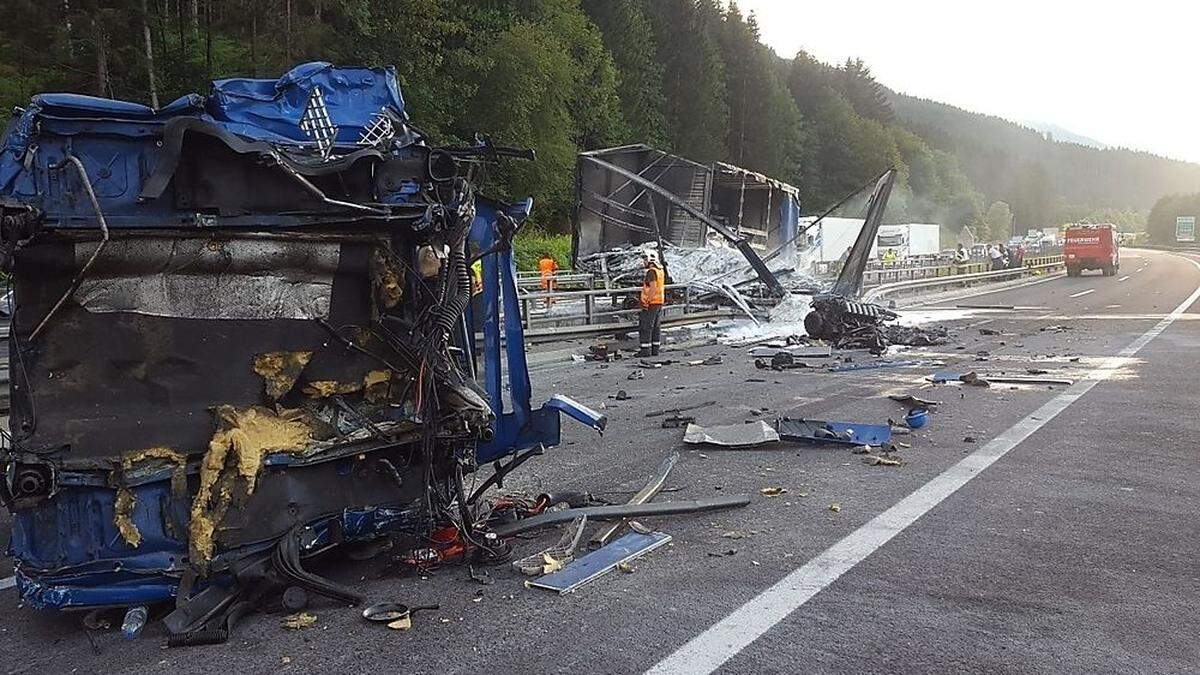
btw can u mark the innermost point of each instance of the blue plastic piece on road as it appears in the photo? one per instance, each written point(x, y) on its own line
point(601, 561)
point(917, 418)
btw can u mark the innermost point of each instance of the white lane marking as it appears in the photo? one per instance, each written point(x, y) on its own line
point(1080, 294)
point(979, 323)
point(725, 639)
point(7, 583)
point(1123, 278)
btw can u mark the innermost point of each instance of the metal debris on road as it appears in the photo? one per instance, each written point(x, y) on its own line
point(619, 512)
point(732, 435)
point(1021, 379)
point(677, 421)
point(820, 431)
point(686, 408)
point(798, 351)
point(601, 561)
point(912, 401)
point(648, 492)
point(874, 365)
point(850, 324)
point(563, 551)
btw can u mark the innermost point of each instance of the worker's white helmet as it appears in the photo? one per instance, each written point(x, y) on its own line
point(650, 255)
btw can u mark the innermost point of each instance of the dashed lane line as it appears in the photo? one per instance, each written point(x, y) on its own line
point(1080, 294)
point(725, 639)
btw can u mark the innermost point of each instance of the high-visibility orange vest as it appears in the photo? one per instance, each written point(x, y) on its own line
point(653, 288)
point(547, 267)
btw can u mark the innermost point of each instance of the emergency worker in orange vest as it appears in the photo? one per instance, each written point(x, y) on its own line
point(653, 296)
point(548, 268)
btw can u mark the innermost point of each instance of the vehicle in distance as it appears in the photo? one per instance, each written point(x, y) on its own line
point(1091, 247)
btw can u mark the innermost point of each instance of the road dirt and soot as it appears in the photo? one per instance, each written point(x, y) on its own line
point(1074, 551)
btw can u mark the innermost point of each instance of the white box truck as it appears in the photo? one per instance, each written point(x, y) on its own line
point(912, 239)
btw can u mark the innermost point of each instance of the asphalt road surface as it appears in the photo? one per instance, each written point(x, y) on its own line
point(1063, 537)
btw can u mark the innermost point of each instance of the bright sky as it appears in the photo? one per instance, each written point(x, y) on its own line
point(1122, 73)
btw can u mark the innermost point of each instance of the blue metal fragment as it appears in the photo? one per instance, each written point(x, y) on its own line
point(843, 433)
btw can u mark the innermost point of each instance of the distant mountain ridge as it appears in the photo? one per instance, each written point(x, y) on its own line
point(1063, 134)
point(1041, 178)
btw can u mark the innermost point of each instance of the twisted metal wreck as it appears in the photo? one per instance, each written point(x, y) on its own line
point(243, 335)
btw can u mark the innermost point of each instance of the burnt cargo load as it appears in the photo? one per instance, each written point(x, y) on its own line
point(243, 334)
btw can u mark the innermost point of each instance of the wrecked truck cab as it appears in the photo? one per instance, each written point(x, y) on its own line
point(240, 337)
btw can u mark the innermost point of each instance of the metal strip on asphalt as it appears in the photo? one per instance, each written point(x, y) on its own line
point(7, 583)
point(725, 639)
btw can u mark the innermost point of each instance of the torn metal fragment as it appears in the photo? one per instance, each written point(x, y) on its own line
point(732, 435)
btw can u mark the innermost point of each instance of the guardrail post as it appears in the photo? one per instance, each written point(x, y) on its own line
point(589, 308)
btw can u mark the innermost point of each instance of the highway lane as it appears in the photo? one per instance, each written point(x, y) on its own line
point(878, 616)
point(1074, 553)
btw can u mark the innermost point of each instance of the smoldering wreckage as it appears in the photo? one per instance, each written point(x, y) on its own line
point(244, 335)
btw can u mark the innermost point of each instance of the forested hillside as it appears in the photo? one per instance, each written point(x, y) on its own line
point(689, 76)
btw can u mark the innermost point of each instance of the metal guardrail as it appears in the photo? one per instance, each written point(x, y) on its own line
point(562, 279)
point(877, 276)
point(1032, 266)
point(594, 311)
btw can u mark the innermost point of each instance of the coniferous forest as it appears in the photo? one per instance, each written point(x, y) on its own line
point(688, 76)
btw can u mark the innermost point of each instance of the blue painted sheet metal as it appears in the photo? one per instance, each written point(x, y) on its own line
point(843, 433)
point(118, 141)
point(271, 109)
point(50, 573)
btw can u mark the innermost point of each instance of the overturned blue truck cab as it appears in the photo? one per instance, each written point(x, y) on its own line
point(246, 330)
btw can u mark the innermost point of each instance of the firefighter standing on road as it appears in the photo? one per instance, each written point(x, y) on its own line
point(548, 268)
point(653, 296)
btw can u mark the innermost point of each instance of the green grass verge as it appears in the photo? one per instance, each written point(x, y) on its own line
point(531, 243)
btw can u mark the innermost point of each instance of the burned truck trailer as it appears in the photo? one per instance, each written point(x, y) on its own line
point(240, 337)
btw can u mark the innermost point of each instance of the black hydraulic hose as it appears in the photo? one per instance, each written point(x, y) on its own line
point(458, 275)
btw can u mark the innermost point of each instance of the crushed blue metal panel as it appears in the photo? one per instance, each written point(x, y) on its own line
point(844, 433)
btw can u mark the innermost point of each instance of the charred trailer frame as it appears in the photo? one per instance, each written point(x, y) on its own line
point(241, 335)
